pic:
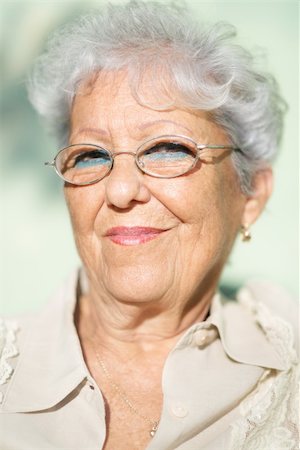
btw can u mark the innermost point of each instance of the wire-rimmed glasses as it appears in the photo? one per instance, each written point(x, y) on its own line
point(167, 156)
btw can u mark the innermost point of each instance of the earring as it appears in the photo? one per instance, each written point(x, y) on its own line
point(246, 235)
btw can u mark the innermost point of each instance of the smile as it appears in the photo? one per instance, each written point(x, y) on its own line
point(133, 235)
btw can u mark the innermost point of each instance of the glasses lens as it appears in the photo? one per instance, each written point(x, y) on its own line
point(83, 164)
point(168, 156)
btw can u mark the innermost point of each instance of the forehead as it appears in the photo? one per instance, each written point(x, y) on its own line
point(115, 88)
point(106, 101)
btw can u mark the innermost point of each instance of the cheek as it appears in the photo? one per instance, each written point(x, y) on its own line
point(224, 208)
point(208, 202)
point(189, 198)
point(84, 203)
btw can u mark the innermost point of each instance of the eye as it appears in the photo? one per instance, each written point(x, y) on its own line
point(168, 151)
point(92, 158)
point(168, 159)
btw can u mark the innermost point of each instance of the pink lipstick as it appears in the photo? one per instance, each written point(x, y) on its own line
point(133, 235)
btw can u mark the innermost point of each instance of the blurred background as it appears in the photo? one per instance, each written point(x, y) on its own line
point(37, 250)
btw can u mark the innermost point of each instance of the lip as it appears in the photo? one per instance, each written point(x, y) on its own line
point(133, 235)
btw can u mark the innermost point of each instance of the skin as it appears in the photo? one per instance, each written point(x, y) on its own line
point(143, 297)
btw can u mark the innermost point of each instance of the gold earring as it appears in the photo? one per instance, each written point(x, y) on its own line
point(246, 235)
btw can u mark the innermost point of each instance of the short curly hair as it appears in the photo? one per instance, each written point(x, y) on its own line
point(207, 69)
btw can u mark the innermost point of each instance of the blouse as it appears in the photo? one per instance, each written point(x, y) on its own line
point(230, 382)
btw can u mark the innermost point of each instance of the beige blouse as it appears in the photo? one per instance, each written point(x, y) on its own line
point(229, 383)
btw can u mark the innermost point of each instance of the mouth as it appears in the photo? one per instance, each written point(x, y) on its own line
point(133, 235)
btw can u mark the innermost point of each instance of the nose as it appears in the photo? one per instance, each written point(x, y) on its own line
point(125, 183)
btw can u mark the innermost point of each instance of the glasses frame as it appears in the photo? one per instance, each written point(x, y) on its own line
point(199, 147)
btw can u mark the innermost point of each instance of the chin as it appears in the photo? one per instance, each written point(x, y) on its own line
point(137, 285)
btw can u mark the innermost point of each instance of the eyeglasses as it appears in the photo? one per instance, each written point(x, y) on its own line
point(167, 156)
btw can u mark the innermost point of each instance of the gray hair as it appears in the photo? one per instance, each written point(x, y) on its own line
point(207, 71)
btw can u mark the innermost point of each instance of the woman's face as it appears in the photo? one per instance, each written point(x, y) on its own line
point(195, 216)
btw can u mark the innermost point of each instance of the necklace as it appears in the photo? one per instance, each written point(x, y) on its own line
point(123, 396)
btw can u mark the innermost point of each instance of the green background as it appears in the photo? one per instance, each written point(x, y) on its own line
point(37, 249)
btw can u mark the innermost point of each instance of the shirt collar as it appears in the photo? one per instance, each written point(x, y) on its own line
point(51, 361)
point(243, 339)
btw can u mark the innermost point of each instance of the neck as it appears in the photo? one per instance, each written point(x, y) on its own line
point(132, 327)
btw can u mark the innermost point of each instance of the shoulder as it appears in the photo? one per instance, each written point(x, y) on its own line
point(273, 308)
point(268, 415)
point(275, 297)
point(13, 332)
point(40, 348)
point(20, 335)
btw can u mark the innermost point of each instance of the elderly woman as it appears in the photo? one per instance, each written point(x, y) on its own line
point(167, 137)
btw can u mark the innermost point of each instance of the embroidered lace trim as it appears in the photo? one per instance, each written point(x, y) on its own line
point(270, 414)
point(8, 349)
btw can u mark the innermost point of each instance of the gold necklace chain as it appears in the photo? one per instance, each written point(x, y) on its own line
point(123, 396)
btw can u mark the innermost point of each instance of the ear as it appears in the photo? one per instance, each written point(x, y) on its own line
point(262, 188)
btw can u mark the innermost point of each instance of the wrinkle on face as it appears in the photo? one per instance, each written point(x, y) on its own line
point(203, 209)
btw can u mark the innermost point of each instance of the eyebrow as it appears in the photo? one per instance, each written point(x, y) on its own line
point(142, 126)
point(98, 131)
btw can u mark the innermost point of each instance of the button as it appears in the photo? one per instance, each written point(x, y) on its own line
point(90, 392)
point(204, 336)
point(179, 410)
